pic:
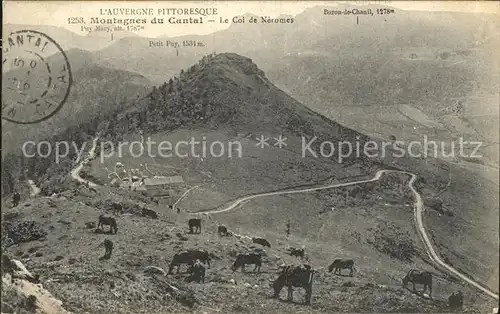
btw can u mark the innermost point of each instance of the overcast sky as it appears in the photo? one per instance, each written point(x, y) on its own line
point(57, 12)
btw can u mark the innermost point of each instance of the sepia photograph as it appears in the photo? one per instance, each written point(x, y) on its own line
point(250, 157)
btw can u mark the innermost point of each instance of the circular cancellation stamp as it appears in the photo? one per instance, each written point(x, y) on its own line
point(36, 77)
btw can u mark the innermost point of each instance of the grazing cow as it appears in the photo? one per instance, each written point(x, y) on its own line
point(261, 241)
point(16, 197)
point(247, 259)
point(295, 276)
point(340, 264)
point(421, 277)
point(189, 257)
point(222, 231)
point(194, 225)
point(456, 300)
point(197, 271)
point(149, 213)
point(296, 252)
point(110, 221)
point(108, 246)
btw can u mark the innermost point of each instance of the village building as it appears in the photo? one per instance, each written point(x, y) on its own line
point(161, 186)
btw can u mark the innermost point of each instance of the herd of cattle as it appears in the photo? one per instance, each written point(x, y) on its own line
point(291, 276)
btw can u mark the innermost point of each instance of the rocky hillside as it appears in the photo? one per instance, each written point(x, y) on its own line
point(22, 292)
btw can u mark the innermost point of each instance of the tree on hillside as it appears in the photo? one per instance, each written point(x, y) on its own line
point(170, 86)
point(203, 61)
point(154, 94)
point(155, 98)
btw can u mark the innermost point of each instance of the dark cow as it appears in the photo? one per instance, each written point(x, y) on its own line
point(149, 213)
point(189, 257)
point(261, 241)
point(456, 300)
point(296, 252)
point(222, 231)
point(197, 271)
point(16, 197)
point(247, 259)
point(340, 264)
point(295, 276)
point(110, 221)
point(421, 277)
point(108, 246)
point(194, 225)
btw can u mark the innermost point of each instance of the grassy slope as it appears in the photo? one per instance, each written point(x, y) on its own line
point(470, 238)
point(118, 285)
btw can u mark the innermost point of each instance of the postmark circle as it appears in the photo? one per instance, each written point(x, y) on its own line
point(36, 76)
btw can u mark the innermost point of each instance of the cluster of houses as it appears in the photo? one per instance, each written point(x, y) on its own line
point(135, 180)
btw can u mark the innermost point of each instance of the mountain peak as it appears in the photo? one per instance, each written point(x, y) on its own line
point(229, 92)
point(236, 62)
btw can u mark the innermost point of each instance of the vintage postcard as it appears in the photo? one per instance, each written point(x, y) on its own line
point(250, 157)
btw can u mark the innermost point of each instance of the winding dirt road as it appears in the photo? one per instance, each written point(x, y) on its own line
point(75, 173)
point(418, 209)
